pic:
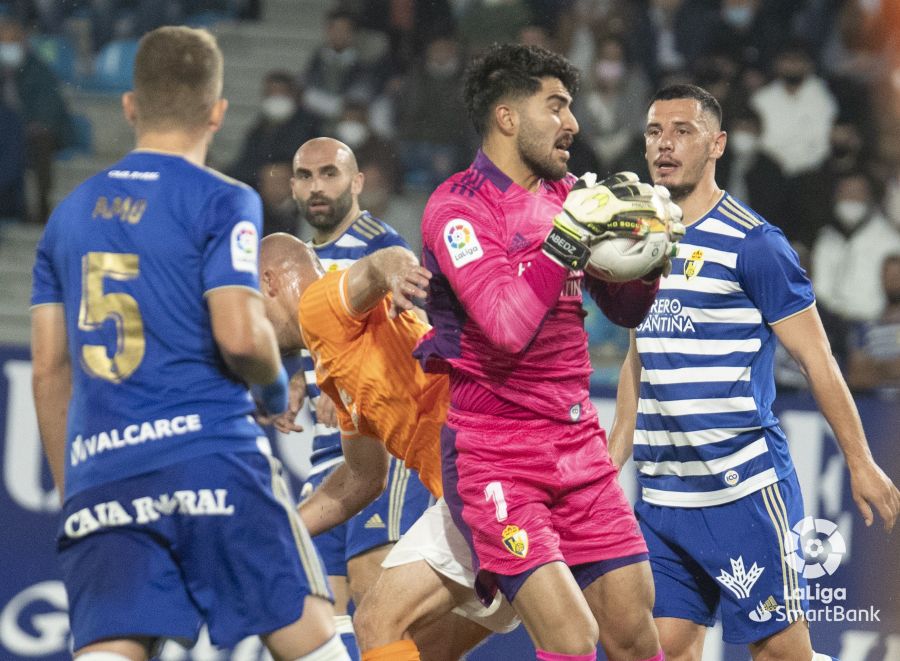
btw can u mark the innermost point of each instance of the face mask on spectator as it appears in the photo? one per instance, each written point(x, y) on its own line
point(743, 142)
point(794, 79)
point(11, 55)
point(442, 69)
point(609, 71)
point(850, 213)
point(352, 133)
point(738, 17)
point(278, 108)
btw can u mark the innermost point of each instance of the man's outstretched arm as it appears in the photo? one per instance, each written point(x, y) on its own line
point(804, 338)
point(393, 270)
point(350, 487)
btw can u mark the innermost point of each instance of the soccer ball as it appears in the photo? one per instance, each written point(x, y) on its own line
point(624, 258)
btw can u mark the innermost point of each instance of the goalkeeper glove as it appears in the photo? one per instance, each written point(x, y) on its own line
point(619, 205)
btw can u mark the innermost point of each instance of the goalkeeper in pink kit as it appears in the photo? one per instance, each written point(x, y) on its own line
point(526, 472)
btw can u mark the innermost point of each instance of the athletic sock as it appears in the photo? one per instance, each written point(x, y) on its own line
point(344, 627)
point(401, 650)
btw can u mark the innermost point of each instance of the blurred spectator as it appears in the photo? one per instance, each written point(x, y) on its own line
point(671, 35)
point(797, 112)
point(720, 74)
point(891, 200)
point(279, 209)
point(613, 89)
point(281, 127)
point(875, 354)
point(336, 71)
point(536, 35)
point(12, 165)
point(401, 212)
point(31, 89)
point(747, 31)
point(483, 22)
point(748, 173)
point(354, 129)
point(431, 117)
point(848, 252)
point(408, 24)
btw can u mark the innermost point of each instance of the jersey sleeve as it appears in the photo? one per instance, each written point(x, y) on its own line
point(507, 308)
point(325, 317)
point(390, 238)
point(231, 239)
point(770, 273)
point(46, 285)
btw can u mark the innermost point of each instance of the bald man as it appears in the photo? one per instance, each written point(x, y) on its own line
point(326, 185)
point(362, 345)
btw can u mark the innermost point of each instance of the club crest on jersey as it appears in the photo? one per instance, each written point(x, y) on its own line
point(693, 265)
point(244, 247)
point(461, 242)
point(516, 541)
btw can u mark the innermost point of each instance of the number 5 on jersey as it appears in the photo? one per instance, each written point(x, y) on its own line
point(96, 307)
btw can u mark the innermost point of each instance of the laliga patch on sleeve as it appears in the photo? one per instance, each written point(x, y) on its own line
point(244, 247)
point(461, 242)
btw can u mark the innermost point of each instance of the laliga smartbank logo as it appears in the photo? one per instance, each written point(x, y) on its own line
point(814, 547)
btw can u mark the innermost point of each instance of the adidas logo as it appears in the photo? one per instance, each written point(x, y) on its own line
point(518, 243)
point(375, 521)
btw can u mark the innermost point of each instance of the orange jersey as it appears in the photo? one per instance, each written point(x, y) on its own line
point(364, 363)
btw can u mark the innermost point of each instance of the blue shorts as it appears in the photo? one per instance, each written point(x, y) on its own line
point(216, 540)
point(382, 522)
point(730, 557)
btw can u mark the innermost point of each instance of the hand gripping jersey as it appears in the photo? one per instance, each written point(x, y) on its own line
point(364, 363)
point(706, 434)
point(507, 319)
point(131, 254)
point(366, 235)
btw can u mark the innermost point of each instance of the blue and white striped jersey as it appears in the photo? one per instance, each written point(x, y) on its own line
point(366, 235)
point(705, 433)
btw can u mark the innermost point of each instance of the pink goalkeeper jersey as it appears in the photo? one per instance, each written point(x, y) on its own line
point(508, 320)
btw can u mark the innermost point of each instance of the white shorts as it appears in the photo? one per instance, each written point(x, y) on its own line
point(435, 539)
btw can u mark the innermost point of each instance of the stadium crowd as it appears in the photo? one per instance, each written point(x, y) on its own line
point(810, 92)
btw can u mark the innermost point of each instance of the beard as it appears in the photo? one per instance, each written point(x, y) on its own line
point(327, 220)
point(681, 192)
point(533, 152)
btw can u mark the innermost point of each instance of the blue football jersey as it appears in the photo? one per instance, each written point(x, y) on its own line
point(705, 432)
point(131, 255)
point(366, 235)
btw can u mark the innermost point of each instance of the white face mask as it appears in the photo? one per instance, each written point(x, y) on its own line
point(743, 142)
point(351, 133)
point(11, 55)
point(738, 17)
point(610, 71)
point(278, 108)
point(850, 213)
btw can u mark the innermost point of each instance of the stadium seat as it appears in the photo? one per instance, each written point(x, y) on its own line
point(58, 52)
point(113, 66)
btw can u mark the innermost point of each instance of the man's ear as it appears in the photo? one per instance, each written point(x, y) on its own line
point(506, 118)
point(268, 283)
point(129, 108)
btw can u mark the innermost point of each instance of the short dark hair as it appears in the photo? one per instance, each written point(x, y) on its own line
point(707, 101)
point(511, 70)
point(177, 77)
point(340, 15)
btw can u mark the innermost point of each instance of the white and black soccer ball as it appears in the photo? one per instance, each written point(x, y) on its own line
point(624, 258)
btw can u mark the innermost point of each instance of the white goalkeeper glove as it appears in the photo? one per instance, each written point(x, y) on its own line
point(619, 205)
